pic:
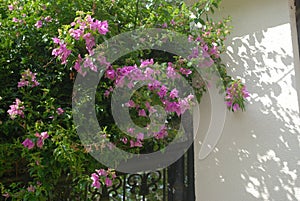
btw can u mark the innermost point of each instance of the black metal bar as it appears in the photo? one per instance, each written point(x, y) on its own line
point(124, 188)
point(191, 174)
point(164, 184)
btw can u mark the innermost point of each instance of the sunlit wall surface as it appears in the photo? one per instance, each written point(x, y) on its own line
point(258, 154)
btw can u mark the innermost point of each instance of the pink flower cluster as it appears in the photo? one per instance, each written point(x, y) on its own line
point(62, 51)
point(16, 20)
point(205, 59)
point(16, 109)
point(39, 23)
point(81, 29)
point(147, 62)
point(165, 24)
point(134, 143)
point(138, 142)
point(180, 106)
point(128, 75)
point(14, 6)
point(59, 111)
point(162, 133)
point(235, 95)
point(28, 79)
point(11, 7)
point(28, 143)
point(171, 72)
point(108, 177)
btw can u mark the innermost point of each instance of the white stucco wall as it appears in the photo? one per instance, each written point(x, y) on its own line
point(258, 154)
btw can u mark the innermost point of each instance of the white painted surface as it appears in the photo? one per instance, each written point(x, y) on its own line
point(258, 154)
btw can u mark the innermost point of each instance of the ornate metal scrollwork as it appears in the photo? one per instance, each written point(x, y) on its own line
point(143, 184)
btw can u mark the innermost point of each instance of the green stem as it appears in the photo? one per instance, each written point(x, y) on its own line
point(136, 13)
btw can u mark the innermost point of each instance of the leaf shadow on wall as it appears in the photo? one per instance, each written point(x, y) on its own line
point(260, 148)
point(274, 162)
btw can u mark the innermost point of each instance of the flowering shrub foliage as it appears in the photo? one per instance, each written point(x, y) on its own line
point(46, 44)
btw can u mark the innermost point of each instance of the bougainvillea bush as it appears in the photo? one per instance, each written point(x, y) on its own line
point(44, 45)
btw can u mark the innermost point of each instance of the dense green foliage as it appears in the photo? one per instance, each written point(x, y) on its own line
point(27, 29)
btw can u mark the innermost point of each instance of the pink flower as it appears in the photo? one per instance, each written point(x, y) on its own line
point(150, 108)
point(28, 79)
point(56, 40)
point(228, 103)
point(184, 105)
point(65, 54)
point(235, 93)
point(30, 188)
point(173, 22)
point(59, 111)
point(90, 42)
point(89, 19)
point(28, 143)
point(142, 113)
point(124, 140)
point(149, 72)
point(236, 107)
point(48, 19)
point(102, 61)
point(130, 104)
point(185, 71)
point(214, 51)
point(41, 138)
point(16, 109)
point(44, 135)
point(95, 179)
point(163, 91)
point(190, 97)
point(10, 7)
point(102, 172)
point(140, 137)
point(40, 143)
point(130, 130)
point(172, 107)
point(147, 104)
point(108, 182)
point(174, 93)
point(205, 51)
point(147, 62)
point(77, 65)
point(89, 63)
point(62, 52)
point(102, 27)
point(135, 144)
point(245, 92)
point(110, 74)
point(76, 33)
point(6, 195)
point(171, 73)
point(39, 24)
point(154, 85)
point(23, 83)
point(162, 133)
point(15, 20)
point(107, 92)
